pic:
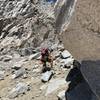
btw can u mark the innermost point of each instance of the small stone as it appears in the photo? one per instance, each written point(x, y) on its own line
point(61, 95)
point(46, 76)
point(2, 75)
point(61, 47)
point(35, 66)
point(54, 47)
point(67, 62)
point(17, 66)
point(1, 58)
point(26, 51)
point(65, 54)
point(43, 87)
point(34, 56)
point(39, 58)
point(36, 70)
point(25, 76)
point(7, 58)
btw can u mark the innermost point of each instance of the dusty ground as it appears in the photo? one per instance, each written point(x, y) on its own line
point(34, 78)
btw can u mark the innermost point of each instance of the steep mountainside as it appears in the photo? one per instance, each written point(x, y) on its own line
point(25, 25)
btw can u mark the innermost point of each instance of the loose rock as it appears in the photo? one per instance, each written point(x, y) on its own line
point(43, 87)
point(18, 73)
point(54, 85)
point(46, 76)
point(34, 56)
point(67, 62)
point(2, 75)
point(20, 88)
point(61, 95)
point(65, 54)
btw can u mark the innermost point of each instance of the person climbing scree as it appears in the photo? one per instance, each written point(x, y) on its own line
point(46, 57)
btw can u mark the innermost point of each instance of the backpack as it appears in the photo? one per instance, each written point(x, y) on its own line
point(44, 51)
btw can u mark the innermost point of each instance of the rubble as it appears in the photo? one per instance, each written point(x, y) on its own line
point(34, 56)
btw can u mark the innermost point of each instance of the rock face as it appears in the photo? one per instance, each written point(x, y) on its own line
point(81, 37)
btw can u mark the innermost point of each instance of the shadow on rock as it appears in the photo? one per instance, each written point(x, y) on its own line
point(80, 87)
point(46, 69)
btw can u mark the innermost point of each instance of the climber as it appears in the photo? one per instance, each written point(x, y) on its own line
point(46, 57)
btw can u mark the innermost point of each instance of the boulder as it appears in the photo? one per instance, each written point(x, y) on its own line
point(61, 95)
point(65, 54)
point(20, 88)
point(54, 85)
point(46, 76)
